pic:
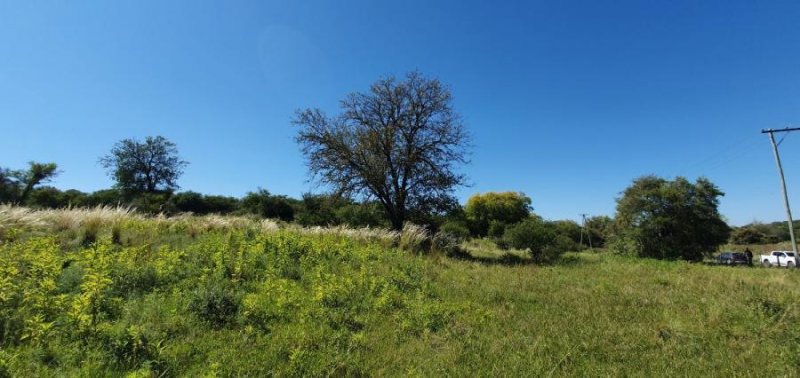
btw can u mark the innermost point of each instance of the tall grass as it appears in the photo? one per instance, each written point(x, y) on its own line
point(236, 296)
point(87, 223)
point(238, 301)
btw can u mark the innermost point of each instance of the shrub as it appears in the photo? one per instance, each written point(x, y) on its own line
point(361, 215)
point(569, 233)
point(748, 235)
point(266, 205)
point(129, 346)
point(70, 279)
point(456, 229)
point(202, 204)
point(496, 229)
point(215, 303)
point(446, 243)
point(4, 370)
point(539, 238)
point(138, 279)
point(46, 197)
point(154, 203)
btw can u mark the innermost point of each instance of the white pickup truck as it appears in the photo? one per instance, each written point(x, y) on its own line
point(779, 258)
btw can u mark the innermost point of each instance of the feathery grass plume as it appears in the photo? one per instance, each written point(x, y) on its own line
point(269, 225)
point(414, 238)
point(386, 238)
point(88, 223)
point(13, 217)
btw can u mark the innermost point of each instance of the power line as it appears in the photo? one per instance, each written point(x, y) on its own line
point(723, 156)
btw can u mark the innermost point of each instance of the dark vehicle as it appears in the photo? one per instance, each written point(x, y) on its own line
point(732, 258)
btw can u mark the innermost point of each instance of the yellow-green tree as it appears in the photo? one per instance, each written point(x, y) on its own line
point(498, 208)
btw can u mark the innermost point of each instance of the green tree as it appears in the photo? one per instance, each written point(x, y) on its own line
point(541, 239)
point(151, 166)
point(666, 219)
point(9, 185)
point(220, 204)
point(17, 185)
point(748, 235)
point(317, 210)
point(599, 229)
point(266, 205)
point(498, 208)
point(36, 174)
point(73, 197)
point(399, 143)
point(46, 197)
point(363, 214)
point(571, 232)
point(204, 204)
point(103, 197)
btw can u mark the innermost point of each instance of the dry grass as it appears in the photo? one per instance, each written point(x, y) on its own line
point(90, 221)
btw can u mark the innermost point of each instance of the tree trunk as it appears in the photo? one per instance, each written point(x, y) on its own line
point(398, 219)
point(25, 192)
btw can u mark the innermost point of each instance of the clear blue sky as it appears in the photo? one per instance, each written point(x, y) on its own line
point(566, 101)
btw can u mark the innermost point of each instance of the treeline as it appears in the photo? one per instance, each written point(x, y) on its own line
point(310, 210)
point(763, 233)
point(397, 149)
point(498, 216)
point(485, 215)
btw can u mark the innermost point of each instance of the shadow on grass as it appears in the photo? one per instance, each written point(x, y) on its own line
point(510, 259)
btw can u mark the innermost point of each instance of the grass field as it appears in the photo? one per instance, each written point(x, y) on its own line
point(107, 292)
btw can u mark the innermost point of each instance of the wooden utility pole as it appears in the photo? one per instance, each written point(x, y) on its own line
point(588, 233)
point(771, 133)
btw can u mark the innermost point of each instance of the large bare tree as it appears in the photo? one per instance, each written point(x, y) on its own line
point(400, 143)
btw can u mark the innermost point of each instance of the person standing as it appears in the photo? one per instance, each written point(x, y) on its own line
point(749, 256)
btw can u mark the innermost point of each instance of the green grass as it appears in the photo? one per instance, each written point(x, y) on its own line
point(164, 301)
point(603, 314)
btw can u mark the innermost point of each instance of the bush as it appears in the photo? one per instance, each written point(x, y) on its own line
point(447, 243)
point(202, 204)
point(539, 238)
point(265, 205)
point(496, 229)
point(46, 197)
point(153, 203)
point(367, 214)
point(456, 229)
point(747, 235)
point(139, 279)
point(130, 346)
point(111, 197)
point(215, 304)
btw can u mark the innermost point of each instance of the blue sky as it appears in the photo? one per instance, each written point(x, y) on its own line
point(566, 101)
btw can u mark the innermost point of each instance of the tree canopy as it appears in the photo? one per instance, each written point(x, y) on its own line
point(503, 207)
point(545, 241)
point(399, 143)
point(150, 166)
point(266, 205)
point(17, 185)
point(666, 219)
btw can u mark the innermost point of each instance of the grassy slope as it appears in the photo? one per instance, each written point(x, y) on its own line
point(603, 314)
point(324, 305)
